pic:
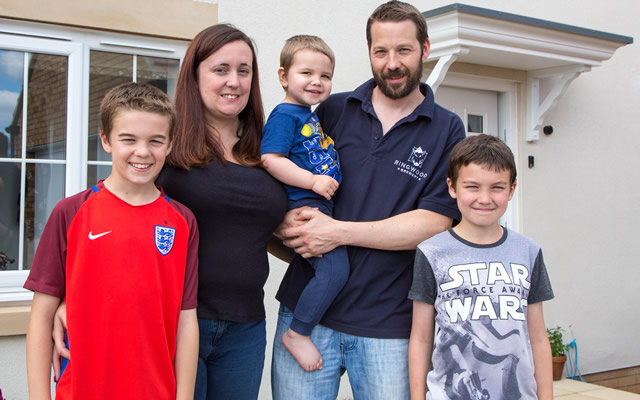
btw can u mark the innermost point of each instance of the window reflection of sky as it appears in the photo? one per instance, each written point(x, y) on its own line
point(11, 71)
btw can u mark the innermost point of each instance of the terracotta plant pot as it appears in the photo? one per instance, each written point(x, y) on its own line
point(558, 366)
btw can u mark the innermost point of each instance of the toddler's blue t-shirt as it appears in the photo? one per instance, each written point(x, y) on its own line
point(295, 132)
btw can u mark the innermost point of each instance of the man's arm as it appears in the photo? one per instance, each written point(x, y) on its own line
point(286, 171)
point(541, 351)
point(321, 233)
point(187, 340)
point(39, 345)
point(420, 348)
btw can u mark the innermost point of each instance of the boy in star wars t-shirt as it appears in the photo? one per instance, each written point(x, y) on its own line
point(484, 286)
point(123, 256)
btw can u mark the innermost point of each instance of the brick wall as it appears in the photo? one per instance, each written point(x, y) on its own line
point(627, 379)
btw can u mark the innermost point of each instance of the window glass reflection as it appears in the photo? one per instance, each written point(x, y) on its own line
point(159, 72)
point(475, 123)
point(106, 71)
point(9, 214)
point(97, 172)
point(44, 188)
point(11, 78)
point(109, 70)
point(47, 107)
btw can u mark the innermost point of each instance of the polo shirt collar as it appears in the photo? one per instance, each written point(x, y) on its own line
point(425, 109)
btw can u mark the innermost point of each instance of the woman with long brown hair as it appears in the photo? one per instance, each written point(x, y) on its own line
point(214, 170)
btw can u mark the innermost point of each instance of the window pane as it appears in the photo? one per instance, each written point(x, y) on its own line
point(106, 71)
point(159, 72)
point(11, 78)
point(44, 187)
point(111, 69)
point(97, 172)
point(475, 123)
point(9, 213)
point(47, 107)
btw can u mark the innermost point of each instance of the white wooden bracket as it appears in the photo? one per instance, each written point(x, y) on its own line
point(442, 67)
point(561, 78)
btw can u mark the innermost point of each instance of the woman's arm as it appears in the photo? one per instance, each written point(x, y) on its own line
point(58, 334)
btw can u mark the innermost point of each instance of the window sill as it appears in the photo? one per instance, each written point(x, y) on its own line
point(14, 318)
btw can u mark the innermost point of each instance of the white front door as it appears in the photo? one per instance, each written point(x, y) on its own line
point(478, 109)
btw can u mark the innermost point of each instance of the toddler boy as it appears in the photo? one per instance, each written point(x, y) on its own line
point(124, 258)
point(484, 286)
point(299, 154)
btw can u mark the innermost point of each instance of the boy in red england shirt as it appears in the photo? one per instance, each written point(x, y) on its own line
point(124, 258)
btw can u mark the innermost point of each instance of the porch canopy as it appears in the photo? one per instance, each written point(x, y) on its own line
point(544, 49)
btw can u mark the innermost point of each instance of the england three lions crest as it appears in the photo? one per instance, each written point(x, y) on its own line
point(164, 239)
point(417, 156)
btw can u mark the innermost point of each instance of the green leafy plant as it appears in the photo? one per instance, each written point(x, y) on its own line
point(555, 339)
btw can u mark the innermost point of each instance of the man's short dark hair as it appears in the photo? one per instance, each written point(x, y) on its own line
point(398, 11)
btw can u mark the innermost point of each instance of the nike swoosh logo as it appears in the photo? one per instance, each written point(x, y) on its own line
point(93, 237)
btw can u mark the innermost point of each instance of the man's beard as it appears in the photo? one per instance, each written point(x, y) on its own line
point(398, 91)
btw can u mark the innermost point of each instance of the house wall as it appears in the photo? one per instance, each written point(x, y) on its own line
point(13, 367)
point(580, 201)
point(178, 19)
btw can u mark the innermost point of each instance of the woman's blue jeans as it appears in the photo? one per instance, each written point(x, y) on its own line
point(231, 359)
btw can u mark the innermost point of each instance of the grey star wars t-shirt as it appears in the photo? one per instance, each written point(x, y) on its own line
point(480, 294)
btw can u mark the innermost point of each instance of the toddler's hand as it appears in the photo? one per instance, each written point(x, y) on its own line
point(324, 185)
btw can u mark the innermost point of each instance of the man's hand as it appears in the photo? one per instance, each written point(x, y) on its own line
point(291, 219)
point(317, 236)
point(324, 185)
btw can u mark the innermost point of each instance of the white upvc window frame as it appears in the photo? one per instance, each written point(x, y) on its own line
point(76, 44)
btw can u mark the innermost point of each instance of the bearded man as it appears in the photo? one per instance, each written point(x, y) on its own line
point(394, 144)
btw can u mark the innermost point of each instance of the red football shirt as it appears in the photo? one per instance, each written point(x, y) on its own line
point(125, 272)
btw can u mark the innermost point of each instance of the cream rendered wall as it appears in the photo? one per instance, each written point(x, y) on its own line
point(13, 378)
point(179, 19)
point(580, 201)
point(13, 367)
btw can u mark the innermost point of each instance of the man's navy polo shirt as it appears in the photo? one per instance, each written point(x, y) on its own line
point(382, 176)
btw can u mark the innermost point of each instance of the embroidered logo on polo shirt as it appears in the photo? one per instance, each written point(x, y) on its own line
point(164, 239)
point(417, 156)
point(413, 164)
